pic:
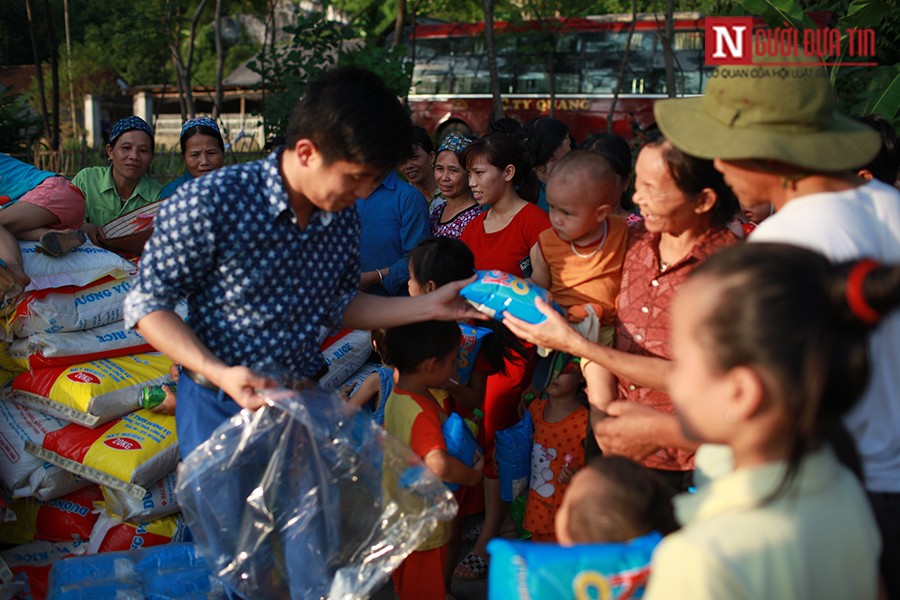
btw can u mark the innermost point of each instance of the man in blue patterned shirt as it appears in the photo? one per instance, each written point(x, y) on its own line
point(267, 252)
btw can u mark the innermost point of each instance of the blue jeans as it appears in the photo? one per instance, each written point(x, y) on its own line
point(198, 412)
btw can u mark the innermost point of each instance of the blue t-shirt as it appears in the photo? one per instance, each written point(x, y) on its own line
point(386, 377)
point(170, 187)
point(394, 219)
point(18, 178)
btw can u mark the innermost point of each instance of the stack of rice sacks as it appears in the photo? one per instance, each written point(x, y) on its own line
point(83, 467)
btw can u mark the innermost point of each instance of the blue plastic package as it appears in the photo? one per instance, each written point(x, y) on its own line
point(610, 571)
point(512, 447)
point(496, 291)
point(460, 442)
point(157, 572)
point(469, 346)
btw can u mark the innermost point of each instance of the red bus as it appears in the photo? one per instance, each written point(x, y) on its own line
point(451, 86)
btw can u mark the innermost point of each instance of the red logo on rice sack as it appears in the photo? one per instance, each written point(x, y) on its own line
point(122, 443)
point(83, 377)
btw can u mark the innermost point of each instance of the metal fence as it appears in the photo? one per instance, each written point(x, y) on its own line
point(243, 132)
point(166, 165)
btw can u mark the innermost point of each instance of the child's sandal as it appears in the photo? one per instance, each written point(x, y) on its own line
point(471, 534)
point(474, 567)
point(60, 243)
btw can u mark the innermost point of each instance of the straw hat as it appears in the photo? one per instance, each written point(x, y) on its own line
point(760, 111)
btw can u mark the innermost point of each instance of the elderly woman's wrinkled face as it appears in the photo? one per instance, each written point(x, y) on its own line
point(202, 154)
point(131, 155)
point(450, 176)
point(665, 208)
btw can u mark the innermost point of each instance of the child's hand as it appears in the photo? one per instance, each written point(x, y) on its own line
point(344, 392)
point(167, 406)
point(566, 474)
point(174, 372)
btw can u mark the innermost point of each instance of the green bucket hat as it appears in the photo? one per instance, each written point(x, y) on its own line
point(769, 112)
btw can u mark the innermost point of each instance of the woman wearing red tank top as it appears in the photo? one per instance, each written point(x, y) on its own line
point(500, 238)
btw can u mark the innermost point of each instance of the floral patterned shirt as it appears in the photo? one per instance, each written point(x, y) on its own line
point(643, 317)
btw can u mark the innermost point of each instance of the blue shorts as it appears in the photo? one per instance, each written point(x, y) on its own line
point(198, 412)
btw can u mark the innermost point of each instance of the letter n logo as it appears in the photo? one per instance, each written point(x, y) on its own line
point(728, 40)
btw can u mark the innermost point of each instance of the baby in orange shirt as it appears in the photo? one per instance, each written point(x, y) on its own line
point(579, 260)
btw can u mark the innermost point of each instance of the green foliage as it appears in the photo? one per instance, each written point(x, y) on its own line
point(389, 63)
point(779, 13)
point(205, 55)
point(317, 45)
point(133, 47)
point(860, 90)
point(883, 94)
point(20, 128)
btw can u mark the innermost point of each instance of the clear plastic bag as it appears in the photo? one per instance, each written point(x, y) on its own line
point(306, 499)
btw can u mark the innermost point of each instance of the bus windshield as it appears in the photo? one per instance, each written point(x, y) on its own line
point(584, 62)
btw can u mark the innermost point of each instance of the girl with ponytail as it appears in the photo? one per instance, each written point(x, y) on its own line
point(770, 350)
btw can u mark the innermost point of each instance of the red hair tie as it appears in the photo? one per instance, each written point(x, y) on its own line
point(855, 298)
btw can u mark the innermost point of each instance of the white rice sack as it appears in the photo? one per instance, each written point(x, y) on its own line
point(344, 354)
point(79, 267)
point(94, 392)
point(49, 482)
point(128, 454)
point(19, 425)
point(29, 565)
point(158, 502)
point(66, 348)
point(71, 309)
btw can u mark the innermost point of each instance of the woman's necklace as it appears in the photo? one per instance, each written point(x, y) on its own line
point(595, 250)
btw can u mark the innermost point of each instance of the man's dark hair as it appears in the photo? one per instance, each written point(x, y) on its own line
point(351, 115)
point(408, 346)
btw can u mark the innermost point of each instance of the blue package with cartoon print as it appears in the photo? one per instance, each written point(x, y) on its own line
point(469, 347)
point(496, 291)
point(614, 570)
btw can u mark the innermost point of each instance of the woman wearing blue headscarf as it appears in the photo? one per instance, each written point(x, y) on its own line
point(124, 185)
point(202, 149)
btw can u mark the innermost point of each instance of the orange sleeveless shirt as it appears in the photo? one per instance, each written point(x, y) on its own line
point(576, 281)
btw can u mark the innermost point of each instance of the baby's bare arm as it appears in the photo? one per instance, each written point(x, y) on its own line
point(601, 386)
point(540, 273)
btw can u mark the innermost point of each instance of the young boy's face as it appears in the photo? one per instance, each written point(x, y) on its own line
point(444, 369)
point(577, 208)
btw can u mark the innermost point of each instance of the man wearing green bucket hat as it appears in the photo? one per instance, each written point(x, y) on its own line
point(777, 137)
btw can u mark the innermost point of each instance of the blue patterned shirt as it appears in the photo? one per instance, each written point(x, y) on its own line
point(258, 285)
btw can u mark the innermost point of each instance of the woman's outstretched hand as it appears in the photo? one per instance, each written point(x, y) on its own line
point(554, 332)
